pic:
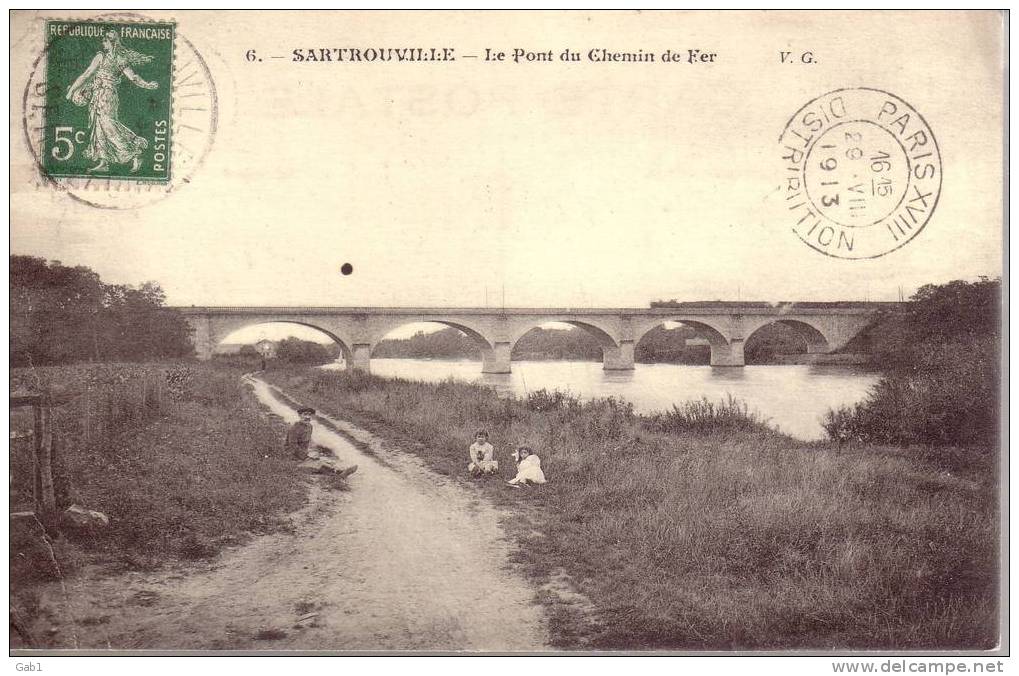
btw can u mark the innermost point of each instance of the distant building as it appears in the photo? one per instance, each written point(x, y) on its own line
point(266, 348)
point(690, 342)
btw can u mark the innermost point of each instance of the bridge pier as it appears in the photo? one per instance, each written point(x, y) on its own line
point(203, 340)
point(497, 359)
point(360, 357)
point(730, 354)
point(618, 358)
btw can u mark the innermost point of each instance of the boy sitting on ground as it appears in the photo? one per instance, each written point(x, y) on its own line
point(320, 460)
point(482, 455)
point(299, 434)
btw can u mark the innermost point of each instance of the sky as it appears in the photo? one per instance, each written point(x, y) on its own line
point(557, 184)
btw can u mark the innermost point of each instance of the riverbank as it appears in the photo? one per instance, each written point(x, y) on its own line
point(689, 532)
point(179, 457)
point(791, 398)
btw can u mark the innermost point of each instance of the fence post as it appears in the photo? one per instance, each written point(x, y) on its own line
point(37, 426)
point(45, 463)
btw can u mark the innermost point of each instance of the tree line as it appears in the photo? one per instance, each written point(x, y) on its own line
point(293, 351)
point(61, 314)
point(659, 345)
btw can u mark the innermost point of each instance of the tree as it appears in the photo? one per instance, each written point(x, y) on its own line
point(296, 351)
point(62, 315)
point(942, 360)
point(446, 343)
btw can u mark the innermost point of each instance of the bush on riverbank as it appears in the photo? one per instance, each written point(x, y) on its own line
point(699, 530)
point(944, 401)
point(730, 416)
point(942, 363)
point(174, 455)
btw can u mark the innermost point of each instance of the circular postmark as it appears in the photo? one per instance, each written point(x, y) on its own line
point(119, 111)
point(862, 173)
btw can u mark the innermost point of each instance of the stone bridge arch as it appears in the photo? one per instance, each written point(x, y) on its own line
point(718, 331)
point(817, 342)
point(597, 330)
point(481, 335)
point(616, 354)
point(210, 330)
point(381, 328)
point(824, 333)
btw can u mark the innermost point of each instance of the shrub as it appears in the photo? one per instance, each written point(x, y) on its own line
point(297, 351)
point(951, 397)
point(554, 400)
point(941, 356)
point(707, 417)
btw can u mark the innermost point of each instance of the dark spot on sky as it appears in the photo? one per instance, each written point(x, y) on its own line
point(346, 268)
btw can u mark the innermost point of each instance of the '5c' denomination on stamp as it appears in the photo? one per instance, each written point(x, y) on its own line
point(109, 100)
point(863, 173)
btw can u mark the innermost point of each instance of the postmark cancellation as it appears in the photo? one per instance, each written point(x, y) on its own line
point(862, 173)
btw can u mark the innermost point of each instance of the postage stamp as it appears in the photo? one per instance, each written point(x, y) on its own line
point(862, 173)
point(109, 100)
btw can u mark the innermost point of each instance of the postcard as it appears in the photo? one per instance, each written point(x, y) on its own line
point(507, 332)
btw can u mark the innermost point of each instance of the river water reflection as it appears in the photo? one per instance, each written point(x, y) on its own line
point(791, 398)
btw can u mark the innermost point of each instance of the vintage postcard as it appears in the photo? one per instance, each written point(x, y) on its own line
point(508, 332)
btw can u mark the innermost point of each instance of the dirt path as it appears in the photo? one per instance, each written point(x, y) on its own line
point(406, 560)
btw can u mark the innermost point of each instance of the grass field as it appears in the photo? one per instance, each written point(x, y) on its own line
point(703, 529)
point(179, 458)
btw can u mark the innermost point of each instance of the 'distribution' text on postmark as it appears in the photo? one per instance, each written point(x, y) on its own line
point(109, 100)
point(863, 173)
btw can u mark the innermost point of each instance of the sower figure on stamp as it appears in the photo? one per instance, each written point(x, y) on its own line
point(319, 460)
point(109, 140)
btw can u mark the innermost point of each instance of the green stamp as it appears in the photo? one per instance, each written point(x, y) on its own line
point(109, 100)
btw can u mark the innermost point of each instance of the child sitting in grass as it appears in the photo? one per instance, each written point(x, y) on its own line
point(482, 455)
point(528, 468)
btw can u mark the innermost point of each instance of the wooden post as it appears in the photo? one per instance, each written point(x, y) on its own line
point(37, 416)
point(45, 464)
point(44, 454)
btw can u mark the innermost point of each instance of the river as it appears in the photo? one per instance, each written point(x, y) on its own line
point(790, 397)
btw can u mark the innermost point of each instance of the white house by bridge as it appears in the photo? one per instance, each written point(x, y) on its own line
point(725, 326)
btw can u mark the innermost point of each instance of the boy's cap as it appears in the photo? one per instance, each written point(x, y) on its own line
point(306, 409)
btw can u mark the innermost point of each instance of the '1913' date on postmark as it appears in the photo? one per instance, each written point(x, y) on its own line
point(863, 173)
point(109, 100)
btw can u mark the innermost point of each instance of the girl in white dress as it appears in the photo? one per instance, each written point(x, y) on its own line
point(528, 468)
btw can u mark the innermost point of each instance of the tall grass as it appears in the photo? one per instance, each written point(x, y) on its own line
point(179, 458)
point(729, 416)
point(702, 528)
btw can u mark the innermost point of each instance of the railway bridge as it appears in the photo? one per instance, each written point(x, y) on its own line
point(826, 327)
